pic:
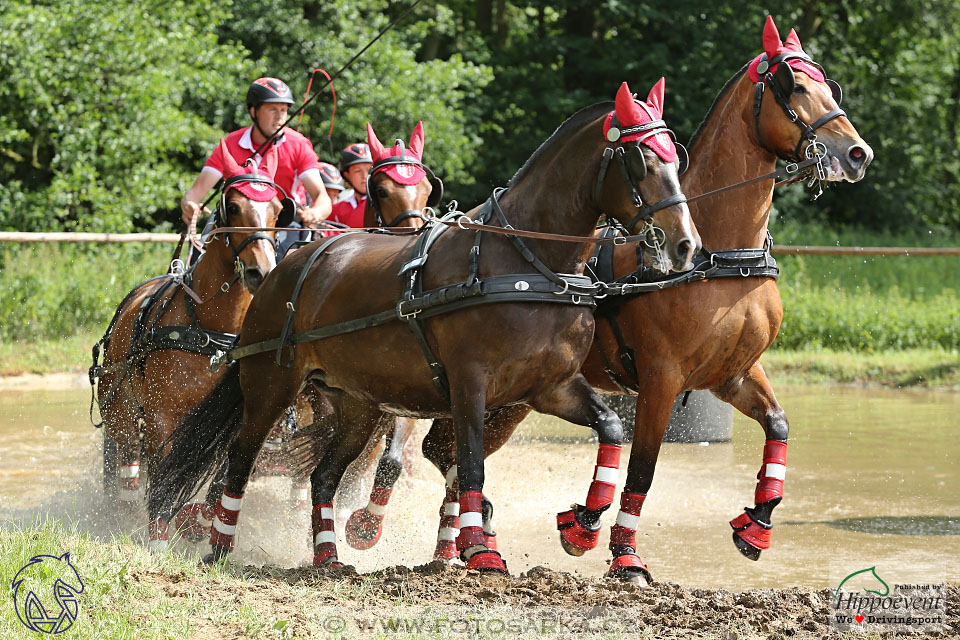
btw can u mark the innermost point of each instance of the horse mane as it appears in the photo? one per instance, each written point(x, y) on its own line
point(577, 119)
point(713, 107)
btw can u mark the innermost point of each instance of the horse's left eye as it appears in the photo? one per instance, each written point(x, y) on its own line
point(382, 193)
point(800, 89)
point(233, 208)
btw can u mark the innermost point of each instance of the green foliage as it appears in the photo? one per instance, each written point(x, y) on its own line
point(95, 109)
point(50, 291)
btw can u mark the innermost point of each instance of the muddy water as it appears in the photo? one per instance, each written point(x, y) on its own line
point(872, 480)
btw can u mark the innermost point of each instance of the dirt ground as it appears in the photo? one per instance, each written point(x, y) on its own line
point(539, 602)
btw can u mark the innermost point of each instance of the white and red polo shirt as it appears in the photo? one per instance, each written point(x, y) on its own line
point(349, 211)
point(295, 158)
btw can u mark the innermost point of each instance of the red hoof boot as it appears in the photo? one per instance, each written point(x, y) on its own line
point(193, 521)
point(750, 536)
point(487, 560)
point(363, 529)
point(575, 537)
point(491, 540)
point(630, 568)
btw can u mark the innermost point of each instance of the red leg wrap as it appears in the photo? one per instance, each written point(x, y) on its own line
point(159, 530)
point(324, 537)
point(771, 475)
point(604, 484)
point(225, 518)
point(193, 521)
point(623, 533)
point(446, 549)
point(751, 531)
point(471, 521)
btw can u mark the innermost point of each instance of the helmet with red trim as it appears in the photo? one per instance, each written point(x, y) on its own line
point(331, 177)
point(268, 90)
point(355, 154)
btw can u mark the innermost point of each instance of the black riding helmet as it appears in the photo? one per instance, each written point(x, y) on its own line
point(355, 154)
point(268, 90)
point(331, 177)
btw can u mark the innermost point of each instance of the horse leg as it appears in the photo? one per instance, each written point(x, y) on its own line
point(364, 527)
point(260, 414)
point(754, 397)
point(110, 488)
point(194, 519)
point(347, 445)
point(650, 422)
point(467, 407)
point(439, 449)
point(576, 402)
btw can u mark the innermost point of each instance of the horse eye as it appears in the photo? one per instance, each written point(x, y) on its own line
point(382, 193)
point(800, 89)
point(233, 209)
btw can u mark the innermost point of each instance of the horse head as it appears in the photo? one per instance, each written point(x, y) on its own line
point(399, 185)
point(804, 117)
point(650, 161)
point(251, 199)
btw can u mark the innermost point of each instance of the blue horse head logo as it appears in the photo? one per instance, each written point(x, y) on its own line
point(45, 594)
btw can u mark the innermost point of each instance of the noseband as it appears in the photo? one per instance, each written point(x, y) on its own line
point(808, 132)
point(616, 149)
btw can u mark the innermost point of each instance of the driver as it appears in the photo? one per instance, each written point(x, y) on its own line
point(268, 101)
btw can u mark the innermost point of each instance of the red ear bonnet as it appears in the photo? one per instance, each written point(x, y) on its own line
point(256, 191)
point(631, 112)
point(405, 174)
point(772, 46)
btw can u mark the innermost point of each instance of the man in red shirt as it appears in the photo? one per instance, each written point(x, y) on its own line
point(268, 101)
point(355, 163)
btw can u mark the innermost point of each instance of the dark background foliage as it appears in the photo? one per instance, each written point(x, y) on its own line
point(108, 109)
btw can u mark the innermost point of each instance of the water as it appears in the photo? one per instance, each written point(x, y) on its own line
point(872, 480)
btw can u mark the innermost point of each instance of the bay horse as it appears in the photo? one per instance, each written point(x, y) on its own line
point(157, 347)
point(706, 334)
point(396, 201)
point(467, 361)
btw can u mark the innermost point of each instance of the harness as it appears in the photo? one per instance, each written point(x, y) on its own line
point(433, 200)
point(148, 335)
point(708, 265)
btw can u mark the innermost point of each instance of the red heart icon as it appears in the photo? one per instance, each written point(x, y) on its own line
point(858, 618)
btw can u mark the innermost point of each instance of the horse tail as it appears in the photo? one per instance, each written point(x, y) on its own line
point(198, 446)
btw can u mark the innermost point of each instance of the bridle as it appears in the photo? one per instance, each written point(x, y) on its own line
point(433, 200)
point(615, 148)
point(287, 212)
point(808, 132)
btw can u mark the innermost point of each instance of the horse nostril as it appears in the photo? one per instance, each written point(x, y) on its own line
point(253, 278)
point(685, 250)
point(856, 155)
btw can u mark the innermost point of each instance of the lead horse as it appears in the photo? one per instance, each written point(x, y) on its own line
point(707, 333)
point(505, 326)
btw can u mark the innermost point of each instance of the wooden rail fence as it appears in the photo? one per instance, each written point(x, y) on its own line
point(780, 249)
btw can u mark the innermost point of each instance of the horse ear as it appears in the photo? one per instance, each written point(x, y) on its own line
point(793, 41)
point(771, 38)
point(628, 112)
point(416, 140)
point(269, 163)
point(230, 166)
point(655, 99)
point(376, 149)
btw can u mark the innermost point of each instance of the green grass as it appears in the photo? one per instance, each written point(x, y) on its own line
point(915, 368)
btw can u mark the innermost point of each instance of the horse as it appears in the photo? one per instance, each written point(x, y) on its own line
point(395, 201)
point(157, 347)
point(466, 361)
point(708, 333)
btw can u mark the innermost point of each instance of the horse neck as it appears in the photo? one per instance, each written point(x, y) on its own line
point(561, 204)
point(728, 152)
point(220, 311)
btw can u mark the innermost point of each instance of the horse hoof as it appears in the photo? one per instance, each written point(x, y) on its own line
point(363, 529)
point(487, 561)
point(217, 554)
point(575, 538)
point(747, 549)
point(193, 522)
point(630, 568)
